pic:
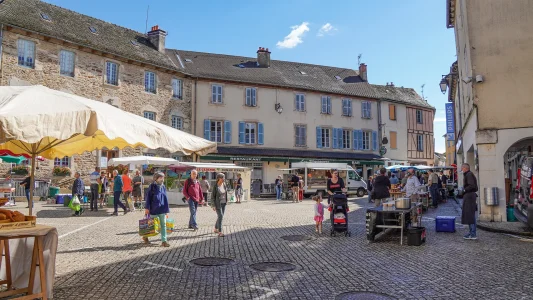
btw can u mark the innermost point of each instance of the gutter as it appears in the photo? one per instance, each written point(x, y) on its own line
point(195, 105)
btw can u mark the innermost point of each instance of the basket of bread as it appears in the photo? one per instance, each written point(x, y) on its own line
point(12, 219)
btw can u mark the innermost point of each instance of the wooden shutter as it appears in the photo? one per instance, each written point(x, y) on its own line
point(260, 134)
point(392, 112)
point(207, 129)
point(393, 142)
point(242, 126)
point(227, 132)
point(318, 137)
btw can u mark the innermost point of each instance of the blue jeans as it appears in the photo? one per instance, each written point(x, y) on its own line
point(278, 192)
point(472, 228)
point(220, 215)
point(116, 201)
point(193, 206)
point(163, 223)
point(434, 191)
point(28, 196)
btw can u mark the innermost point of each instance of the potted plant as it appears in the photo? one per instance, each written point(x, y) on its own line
point(20, 170)
point(61, 171)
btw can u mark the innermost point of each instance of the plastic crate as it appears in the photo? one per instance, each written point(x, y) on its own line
point(416, 236)
point(445, 224)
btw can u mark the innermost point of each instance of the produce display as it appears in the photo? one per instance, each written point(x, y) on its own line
point(7, 216)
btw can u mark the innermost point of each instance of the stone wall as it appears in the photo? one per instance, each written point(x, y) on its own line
point(88, 81)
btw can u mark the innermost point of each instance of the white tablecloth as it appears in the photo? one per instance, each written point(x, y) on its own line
point(21, 251)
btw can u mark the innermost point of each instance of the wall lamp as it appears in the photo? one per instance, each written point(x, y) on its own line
point(278, 108)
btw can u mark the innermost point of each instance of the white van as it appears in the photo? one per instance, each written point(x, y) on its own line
point(315, 177)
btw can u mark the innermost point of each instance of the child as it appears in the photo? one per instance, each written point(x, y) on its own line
point(319, 213)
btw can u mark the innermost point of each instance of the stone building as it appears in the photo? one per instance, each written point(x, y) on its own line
point(491, 90)
point(78, 54)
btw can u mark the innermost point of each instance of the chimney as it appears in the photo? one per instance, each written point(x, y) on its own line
point(263, 57)
point(157, 37)
point(362, 72)
point(391, 83)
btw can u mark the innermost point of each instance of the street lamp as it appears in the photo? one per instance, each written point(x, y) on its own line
point(444, 84)
point(278, 108)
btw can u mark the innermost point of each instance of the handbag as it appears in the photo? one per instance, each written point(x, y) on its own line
point(149, 226)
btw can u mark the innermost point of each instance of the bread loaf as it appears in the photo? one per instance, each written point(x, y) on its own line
point(3, 216)
point(8, 214)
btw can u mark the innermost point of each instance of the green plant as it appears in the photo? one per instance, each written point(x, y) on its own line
point(20, 170)
point(61, 171)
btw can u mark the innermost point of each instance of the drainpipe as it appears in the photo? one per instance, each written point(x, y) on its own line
point(380, 126)
point(194, 105)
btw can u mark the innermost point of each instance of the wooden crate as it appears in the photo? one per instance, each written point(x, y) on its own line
point(30, 221)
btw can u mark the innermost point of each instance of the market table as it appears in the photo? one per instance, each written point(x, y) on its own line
point(25, 252)
point(380, 218)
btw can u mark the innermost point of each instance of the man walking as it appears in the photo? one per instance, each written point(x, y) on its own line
point(26, 183)
point(138, 182)
point(468, 216)
point(77, 191)
point(193, 193)
point(117, 191)
point(433, 183)
point(381, 187)
point(94, 188)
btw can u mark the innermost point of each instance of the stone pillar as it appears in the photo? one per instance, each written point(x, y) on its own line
point(490, 170)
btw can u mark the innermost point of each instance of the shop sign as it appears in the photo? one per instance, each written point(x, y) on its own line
point(355, 162)
point(450, 124)
point(238, 158)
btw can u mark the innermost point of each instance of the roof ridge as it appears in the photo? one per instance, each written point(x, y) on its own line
point(100, 20)
point(273, 60)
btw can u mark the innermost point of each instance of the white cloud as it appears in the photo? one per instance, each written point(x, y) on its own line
point(439, 120)
point(295, 37)
point(326, 29)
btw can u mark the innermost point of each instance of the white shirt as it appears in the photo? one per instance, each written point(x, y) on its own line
point(94, 176)
point(412, 186)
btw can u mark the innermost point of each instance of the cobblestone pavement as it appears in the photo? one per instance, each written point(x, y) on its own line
point(101, 257)
point(517, 228)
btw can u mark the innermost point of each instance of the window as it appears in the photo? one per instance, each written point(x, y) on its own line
point(149, 82)
point(346, 139)
point(26, 53)
point(419, 117)
point(111, 73)
point(347, 107)
point(251, 97)
point(326, 137)
point(392, 112)
point(46, 17)
point(66, 63)
point(176, 122)
point(177, 89)
point(93, 30)
point(393, 141)
point(213, 131)
point(419, 142)
point(366, 140)
point(216, 131)
point(250, 133)
point(61, 162)
point(326, 105)
point(300, 102)
point(366, 110)
point(216, 96)
point(150, 115)
point(300, 135)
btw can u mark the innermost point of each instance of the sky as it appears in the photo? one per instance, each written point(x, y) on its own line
point(405, 42)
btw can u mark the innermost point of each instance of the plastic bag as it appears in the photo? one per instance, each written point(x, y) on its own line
point(170, 225)
point(130, 204)
point(75, 204)
point(149, 226)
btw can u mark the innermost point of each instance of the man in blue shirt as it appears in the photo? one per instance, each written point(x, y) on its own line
point(77, 191)
point(117, 191)
point(394, 179)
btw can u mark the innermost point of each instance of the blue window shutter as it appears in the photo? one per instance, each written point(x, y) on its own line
point(260, 134)
point(318, 137)
point(227, 132)
point(369, 106)
point(329, 105)
point(363, 109)
point(360, 139)
point(207, 129)
point(355, 140)
point(241, 132)
point(335, 139)
point(350, 108)
point(374, 140)
point(254, 97)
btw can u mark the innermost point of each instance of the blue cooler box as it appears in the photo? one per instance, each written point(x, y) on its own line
point(445, 224)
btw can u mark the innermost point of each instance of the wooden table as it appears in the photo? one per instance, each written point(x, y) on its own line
point(37, 261)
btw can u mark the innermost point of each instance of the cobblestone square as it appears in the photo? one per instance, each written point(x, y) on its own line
point(101, 257)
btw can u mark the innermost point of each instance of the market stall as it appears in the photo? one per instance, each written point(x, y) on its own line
point(389, 216)
point(175, 194)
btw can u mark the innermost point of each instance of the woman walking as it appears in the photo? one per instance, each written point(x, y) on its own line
point(238, 188)
point(157, 206)
point(204, 185)
point(279, 185)
point(219, 199)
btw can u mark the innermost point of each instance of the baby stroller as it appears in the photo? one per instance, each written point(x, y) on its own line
point(339, 214)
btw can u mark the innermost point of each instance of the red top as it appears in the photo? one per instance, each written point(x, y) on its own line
point(192, 190)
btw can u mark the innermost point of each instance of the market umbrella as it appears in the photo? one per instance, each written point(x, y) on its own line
point(12, 159)
point(36, 120)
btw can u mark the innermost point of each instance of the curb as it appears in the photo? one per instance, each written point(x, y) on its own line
point(497, 230)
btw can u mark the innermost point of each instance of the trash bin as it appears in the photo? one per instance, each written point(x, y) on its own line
point(53, 191)
point(510, 214)
point(416, 236)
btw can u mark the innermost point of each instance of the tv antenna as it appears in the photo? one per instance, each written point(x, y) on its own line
point(146, 26)
point(423, 97)
point(359, 58)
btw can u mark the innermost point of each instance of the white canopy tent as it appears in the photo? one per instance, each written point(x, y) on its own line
point(142, 160)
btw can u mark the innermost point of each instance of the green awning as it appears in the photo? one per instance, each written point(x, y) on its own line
point(292, 160)
point(12, 159)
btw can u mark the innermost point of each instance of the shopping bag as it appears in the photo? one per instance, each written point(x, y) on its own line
point(75, 204)
point(130, 204)
point(149, 226)
point(170, 225)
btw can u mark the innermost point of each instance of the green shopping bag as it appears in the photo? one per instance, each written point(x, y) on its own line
point(75, 204)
